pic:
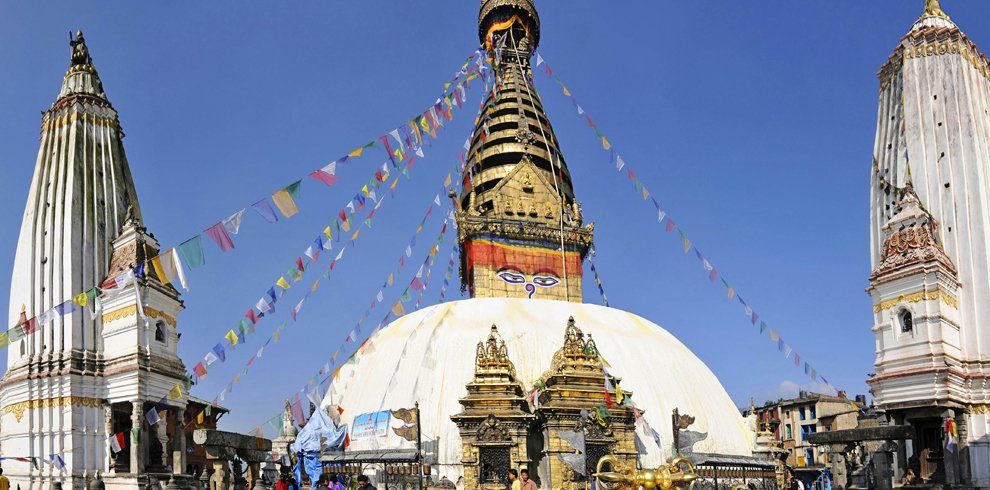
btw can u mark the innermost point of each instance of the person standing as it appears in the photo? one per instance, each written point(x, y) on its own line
point(514, 483)
point(526, 483)
point(4, 482)
point(364, 484)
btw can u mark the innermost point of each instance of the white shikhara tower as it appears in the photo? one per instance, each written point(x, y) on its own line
point(930, 245)
point(86, 375)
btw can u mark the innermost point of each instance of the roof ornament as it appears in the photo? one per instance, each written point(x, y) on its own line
point(80, 53)
point(933, 9)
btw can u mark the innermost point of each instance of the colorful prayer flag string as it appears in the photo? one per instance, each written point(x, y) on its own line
point(686, 243)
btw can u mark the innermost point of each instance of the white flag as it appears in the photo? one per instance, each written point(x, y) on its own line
point(233, 223)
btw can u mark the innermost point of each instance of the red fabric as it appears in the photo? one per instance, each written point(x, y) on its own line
point(527, 260)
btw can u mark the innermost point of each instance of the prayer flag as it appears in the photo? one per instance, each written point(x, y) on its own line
point(233, 222)
point(4, 339)
point(328, 174)
point(56, 461)
point(285, 199)
point(81, 299)
point(670, 225)
point(152, 416)
point(191, 251)
point(251, 315)
point(168, 267)
point(199, 370)
point(117, 442)
point(265, 210)
point(231, 337)
point(175, 393)
point(398, 309)
point(117, 283)
point(66, 308)
point(210, 358)
point(797, 360)
point(773, 335)
point(282, 283)
point(220, 352)
point(763, 326)
point(218, 233)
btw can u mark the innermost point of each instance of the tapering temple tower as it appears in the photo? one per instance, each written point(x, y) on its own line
point(930, 246)
point(520, 227)
point(82, 377)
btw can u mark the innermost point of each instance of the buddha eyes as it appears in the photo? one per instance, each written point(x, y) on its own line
point(512, 277)
point(545, 281)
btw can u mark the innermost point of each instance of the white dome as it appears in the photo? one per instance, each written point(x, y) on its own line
point(428, 356)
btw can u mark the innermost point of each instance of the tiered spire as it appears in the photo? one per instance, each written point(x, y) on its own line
point(81, 196)
point(521, 227)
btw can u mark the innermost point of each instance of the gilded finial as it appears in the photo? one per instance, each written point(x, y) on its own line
point(80, 53)
point(932, 8)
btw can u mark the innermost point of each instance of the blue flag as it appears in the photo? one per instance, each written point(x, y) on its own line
point(265, 210)
point(218, 350)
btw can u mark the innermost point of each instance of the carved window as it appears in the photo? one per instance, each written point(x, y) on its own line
point(160, 331)
point(594, 453)
point(494, 463)
point(907, 321)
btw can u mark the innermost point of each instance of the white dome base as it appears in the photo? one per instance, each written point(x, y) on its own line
point(428, 356)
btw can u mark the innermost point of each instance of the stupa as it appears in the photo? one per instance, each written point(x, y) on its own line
point(545, 362)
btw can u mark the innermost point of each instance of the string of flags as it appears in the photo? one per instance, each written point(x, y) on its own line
point(598, 280)
point(53, 459)
point(320, 388)
point(170, 264)
point(276, 335)
point(621, 167)
point(319, 384)
point(448, 275)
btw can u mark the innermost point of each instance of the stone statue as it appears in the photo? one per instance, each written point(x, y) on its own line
point(80, 53)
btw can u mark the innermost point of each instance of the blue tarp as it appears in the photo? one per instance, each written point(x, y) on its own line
point(318, 431)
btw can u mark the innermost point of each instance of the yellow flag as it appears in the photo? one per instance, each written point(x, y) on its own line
point(619, 395)
point(316, 284)
point(646, 193)
point(283, 200)
point(687, 245)
point(394, 183)
point(199, 419)
point(175, 393)
point(419, 229)
point(237, 378)
point(282, 283)
point(334, 357)
point(328, 233)
point(446, 182)
point(364, 189)
point(774, 336)
point(391, 279)
point(566, 92)
point(605, 144)
point(81, 299)
point(159, 269)
point(355, 235)
point(398, 309)
point(433, 251)
point(731, 293)
point(231, 337)
point(356, 153)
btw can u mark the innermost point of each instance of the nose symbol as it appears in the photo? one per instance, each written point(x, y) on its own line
point(531, 289)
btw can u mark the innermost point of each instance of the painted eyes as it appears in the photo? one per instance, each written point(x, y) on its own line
point(546, 281)
point(512, 277)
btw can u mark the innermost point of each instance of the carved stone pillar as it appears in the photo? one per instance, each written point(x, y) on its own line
point(108, 414)
point(162, 433)
point(178, 444)
point(221, 478)
point(137, 446)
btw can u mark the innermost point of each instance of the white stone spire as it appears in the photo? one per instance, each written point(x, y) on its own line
point(930, 190)
point(80, 197)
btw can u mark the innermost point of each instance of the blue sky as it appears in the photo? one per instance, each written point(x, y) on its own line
point(751, 122)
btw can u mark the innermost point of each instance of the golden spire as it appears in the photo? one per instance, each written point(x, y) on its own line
point(933, 9)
